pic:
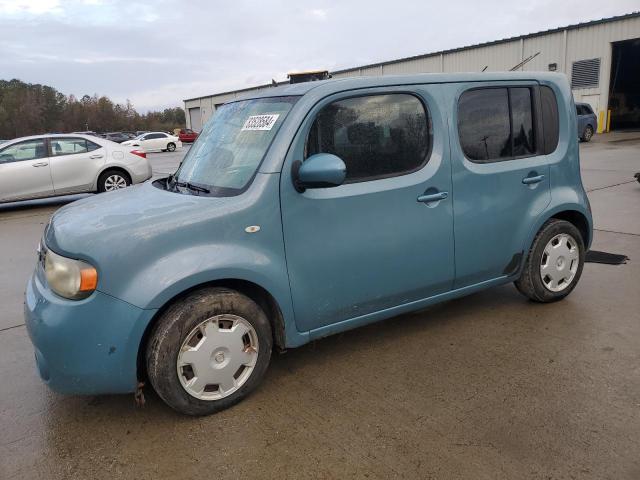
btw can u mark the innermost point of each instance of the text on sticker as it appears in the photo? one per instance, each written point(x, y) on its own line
point(261, 122)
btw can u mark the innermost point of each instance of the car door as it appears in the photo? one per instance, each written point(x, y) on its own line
point(25, 171)
point(500, 176)
point(158, 141)
point(374, 242)
point(75, 164)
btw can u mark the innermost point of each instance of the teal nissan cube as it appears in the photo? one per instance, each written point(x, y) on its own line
point(306, 210)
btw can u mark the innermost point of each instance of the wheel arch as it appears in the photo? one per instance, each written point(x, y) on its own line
point(578, 220)
point(574, 213)
point(255, 292)
point(106, 168)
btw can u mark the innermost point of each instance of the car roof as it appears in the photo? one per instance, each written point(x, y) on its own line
point(351, 83)
point(51, 135)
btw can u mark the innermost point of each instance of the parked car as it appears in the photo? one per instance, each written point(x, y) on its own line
point(155, 142)
point(117, 137)
point(307, 210)
point(187, 135)
point(587, 121)
point(50, 165)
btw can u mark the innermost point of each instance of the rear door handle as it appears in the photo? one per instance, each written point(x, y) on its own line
point(96, 156)
point(433, 197)
point(41, 164)
point(532, 180)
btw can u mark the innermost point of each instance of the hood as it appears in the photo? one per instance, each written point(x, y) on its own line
point(115, 224)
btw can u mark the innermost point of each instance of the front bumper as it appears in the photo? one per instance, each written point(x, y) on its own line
point(84, 347)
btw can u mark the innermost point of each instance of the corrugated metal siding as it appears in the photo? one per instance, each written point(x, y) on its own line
point(496, 58)
point(551, 48)
point(418, 65)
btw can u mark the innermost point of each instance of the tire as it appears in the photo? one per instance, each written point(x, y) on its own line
point(171, 147)
point(195, 324)
point(587, 134)
point(544, 288)
point(111, 180)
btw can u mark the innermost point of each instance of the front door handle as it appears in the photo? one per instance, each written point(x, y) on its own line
point(433, 197)
point(41, 164)
point(532, 180)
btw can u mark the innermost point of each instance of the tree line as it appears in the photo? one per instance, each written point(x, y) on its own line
point(30, 109)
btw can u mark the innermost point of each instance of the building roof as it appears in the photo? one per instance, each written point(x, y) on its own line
point(451, 50)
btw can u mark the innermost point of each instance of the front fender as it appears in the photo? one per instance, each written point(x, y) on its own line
point(184, 269)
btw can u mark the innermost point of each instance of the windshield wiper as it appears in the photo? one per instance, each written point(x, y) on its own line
point(191, 186)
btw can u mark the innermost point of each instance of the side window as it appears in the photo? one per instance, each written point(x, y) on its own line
point(550, 120)
point(522, 122)
point(68, 146)
point(483, 124)
point(27, 150)
point(376, 136)
point(496, 124)
point(92, 146)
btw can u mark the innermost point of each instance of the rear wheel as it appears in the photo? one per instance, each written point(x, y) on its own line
point(587, 134)
point(113, 180)
point(208, 351)
point(554, 263)
point(171, 147)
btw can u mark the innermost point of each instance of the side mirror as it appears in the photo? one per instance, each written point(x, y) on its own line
point(322, 170)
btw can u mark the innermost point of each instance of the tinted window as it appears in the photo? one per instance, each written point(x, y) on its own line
point(151, 136)
point(376, 136)
point(483, 124)
point(496, 124)
point(549, 119)
point(92, 146)
point(587, 109)
point(27, 150)
point(68, 146)
point(522, 122)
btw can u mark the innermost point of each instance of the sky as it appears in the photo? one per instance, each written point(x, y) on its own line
point(157, 53)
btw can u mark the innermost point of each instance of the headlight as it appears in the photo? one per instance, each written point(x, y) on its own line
point(73, 279)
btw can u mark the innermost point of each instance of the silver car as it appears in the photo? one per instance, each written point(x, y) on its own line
point(48, 165)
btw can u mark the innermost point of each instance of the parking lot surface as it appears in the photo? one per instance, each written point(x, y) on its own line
point(488, 386)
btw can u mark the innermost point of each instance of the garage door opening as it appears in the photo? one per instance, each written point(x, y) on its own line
point(195, 119)
point(624, 93)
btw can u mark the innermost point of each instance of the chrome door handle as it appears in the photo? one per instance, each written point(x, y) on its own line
point(96, 156)
point(532, 180)
point(433, 197)
point(41, 164)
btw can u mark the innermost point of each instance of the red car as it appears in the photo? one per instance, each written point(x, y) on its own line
point(187, 135)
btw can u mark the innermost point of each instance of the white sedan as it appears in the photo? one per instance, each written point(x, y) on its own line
point(49, 165)
point(155, 142)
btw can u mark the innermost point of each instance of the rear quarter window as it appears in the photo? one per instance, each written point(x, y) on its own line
point(550, 123)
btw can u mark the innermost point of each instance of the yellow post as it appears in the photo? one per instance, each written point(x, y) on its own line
point(608, 119)
point(601, 121)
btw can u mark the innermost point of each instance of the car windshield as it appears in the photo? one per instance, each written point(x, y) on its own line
point(231, 146)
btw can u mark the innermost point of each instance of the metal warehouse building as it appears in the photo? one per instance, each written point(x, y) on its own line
point(601, 59)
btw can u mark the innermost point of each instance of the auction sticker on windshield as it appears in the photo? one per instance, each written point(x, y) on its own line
point(261, 122)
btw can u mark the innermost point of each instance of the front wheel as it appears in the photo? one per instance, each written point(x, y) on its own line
point(208, 351)
point(554, 263)
point(171, 147)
